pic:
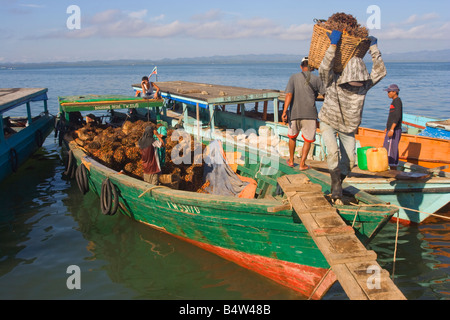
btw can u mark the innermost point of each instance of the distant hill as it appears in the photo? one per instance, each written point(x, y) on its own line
point(419, 56)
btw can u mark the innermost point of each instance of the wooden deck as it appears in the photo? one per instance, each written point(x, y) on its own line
point(349, 259)
point(213, 94)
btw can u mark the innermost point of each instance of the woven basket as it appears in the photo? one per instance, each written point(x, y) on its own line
point(347, 48)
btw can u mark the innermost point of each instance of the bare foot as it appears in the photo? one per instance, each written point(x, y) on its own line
point(303, 168)
point(290, 164)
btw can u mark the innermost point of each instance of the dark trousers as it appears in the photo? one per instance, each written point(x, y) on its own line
point(391, 145)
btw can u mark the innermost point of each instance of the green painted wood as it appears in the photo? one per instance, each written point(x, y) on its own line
point(242, 225)
point(95, 98)
point(68, 105)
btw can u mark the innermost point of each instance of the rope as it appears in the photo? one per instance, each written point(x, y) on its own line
point(404, 208)
point(148, 190)
point(398, 227)
point(356, 215)
point(395, 248)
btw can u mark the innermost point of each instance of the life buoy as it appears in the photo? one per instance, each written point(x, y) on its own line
point(82, 179)
point(109, 200)
point(70, 166)
point(14, 158)
point(39, 138)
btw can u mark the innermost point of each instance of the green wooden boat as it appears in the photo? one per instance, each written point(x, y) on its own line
point(260, 234)
point(21, 136)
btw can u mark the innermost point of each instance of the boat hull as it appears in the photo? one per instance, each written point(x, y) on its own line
point(15, 150)
point(424, 151)
point(243, 231)
point(415, 200)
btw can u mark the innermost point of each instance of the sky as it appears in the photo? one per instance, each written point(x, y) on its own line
point(53, 31)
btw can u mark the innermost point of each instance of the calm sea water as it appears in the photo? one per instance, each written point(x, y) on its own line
point(46, 225)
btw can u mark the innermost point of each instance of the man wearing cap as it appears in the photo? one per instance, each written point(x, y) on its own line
point(393, 126)
point(341, 112)
point(301, 92)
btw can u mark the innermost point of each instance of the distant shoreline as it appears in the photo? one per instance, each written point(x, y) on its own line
point(440, 56)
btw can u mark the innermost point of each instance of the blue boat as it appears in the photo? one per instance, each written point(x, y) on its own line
point(437, 129)
point(426, 126)
point(21, 136)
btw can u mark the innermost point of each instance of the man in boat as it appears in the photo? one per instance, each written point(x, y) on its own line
point(342, 109)
point(301, 92)
point(150, 160)
point(148, 89)
point(393, 126)
point(75, 120)
point(92, 119)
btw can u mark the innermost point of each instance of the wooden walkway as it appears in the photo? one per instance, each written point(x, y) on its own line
point(348, 258)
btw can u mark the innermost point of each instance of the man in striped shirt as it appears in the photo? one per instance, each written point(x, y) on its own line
point(342, 109)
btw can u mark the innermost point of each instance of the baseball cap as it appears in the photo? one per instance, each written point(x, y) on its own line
point(392, 87)
point(305, 59)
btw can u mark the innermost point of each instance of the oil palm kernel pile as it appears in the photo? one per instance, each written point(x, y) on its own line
point(345, 23)
point(117, 149)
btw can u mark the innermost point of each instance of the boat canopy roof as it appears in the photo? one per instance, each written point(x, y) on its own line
point(105, 102)
point(11, 98)
point(211, 94)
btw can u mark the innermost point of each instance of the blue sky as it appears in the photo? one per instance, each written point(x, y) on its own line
point(36, 31)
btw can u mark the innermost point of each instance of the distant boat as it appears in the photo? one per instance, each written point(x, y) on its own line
point(426, 126)
point(437, 129)
point(20, 137)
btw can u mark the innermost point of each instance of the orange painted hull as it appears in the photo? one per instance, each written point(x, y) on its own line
point(311, 282)
point(424, 151)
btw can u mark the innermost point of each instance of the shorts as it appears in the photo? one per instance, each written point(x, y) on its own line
point(308, 128)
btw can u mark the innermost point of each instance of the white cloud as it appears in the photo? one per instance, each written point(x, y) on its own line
point(138, 14)
point(105, 17)
point(210, 25)
point(428, 26)
point(31, 5)
point(212, 14)
point(158, 18)
point(421, 18)
point(216, 24)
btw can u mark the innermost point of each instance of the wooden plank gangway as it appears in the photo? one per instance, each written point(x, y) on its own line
point(355, 267)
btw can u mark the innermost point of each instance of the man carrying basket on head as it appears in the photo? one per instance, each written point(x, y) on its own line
point(342, 109)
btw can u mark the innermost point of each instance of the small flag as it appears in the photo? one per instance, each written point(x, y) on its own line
point(155, 71)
